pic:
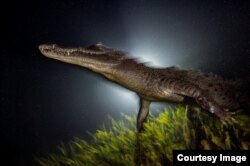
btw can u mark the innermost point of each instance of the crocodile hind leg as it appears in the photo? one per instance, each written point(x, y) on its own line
point(202, 98)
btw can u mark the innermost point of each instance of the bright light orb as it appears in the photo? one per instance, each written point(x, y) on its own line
point(115, 97)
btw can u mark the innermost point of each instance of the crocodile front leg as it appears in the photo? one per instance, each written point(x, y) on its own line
point(142, 114)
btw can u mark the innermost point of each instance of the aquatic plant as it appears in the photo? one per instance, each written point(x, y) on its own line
point(169, 130)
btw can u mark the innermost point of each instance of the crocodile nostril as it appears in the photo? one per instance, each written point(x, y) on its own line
point(41, 47)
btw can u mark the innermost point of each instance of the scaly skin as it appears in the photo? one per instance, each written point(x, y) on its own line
point(170, 84)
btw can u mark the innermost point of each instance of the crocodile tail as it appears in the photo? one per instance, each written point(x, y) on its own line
point(244, 102)
point(230, 94)
point(241, 86)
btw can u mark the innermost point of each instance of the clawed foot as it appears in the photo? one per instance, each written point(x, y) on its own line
point(228, 119)
point(223, 114)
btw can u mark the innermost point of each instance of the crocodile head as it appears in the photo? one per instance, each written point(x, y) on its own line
point(98, 57)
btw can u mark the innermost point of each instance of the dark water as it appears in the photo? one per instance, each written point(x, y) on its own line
point(44, 102)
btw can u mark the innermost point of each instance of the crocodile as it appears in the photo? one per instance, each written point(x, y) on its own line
point(170, 84)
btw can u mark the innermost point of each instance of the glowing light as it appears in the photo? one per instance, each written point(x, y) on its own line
point(148, 57)
point(117, 97)
point(155, 55)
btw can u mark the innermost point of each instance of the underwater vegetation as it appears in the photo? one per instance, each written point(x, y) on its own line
point(172, 129)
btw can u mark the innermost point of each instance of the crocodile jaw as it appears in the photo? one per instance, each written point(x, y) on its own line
point(97, 60)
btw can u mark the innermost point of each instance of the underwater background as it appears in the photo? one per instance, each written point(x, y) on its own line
point(46, 104)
